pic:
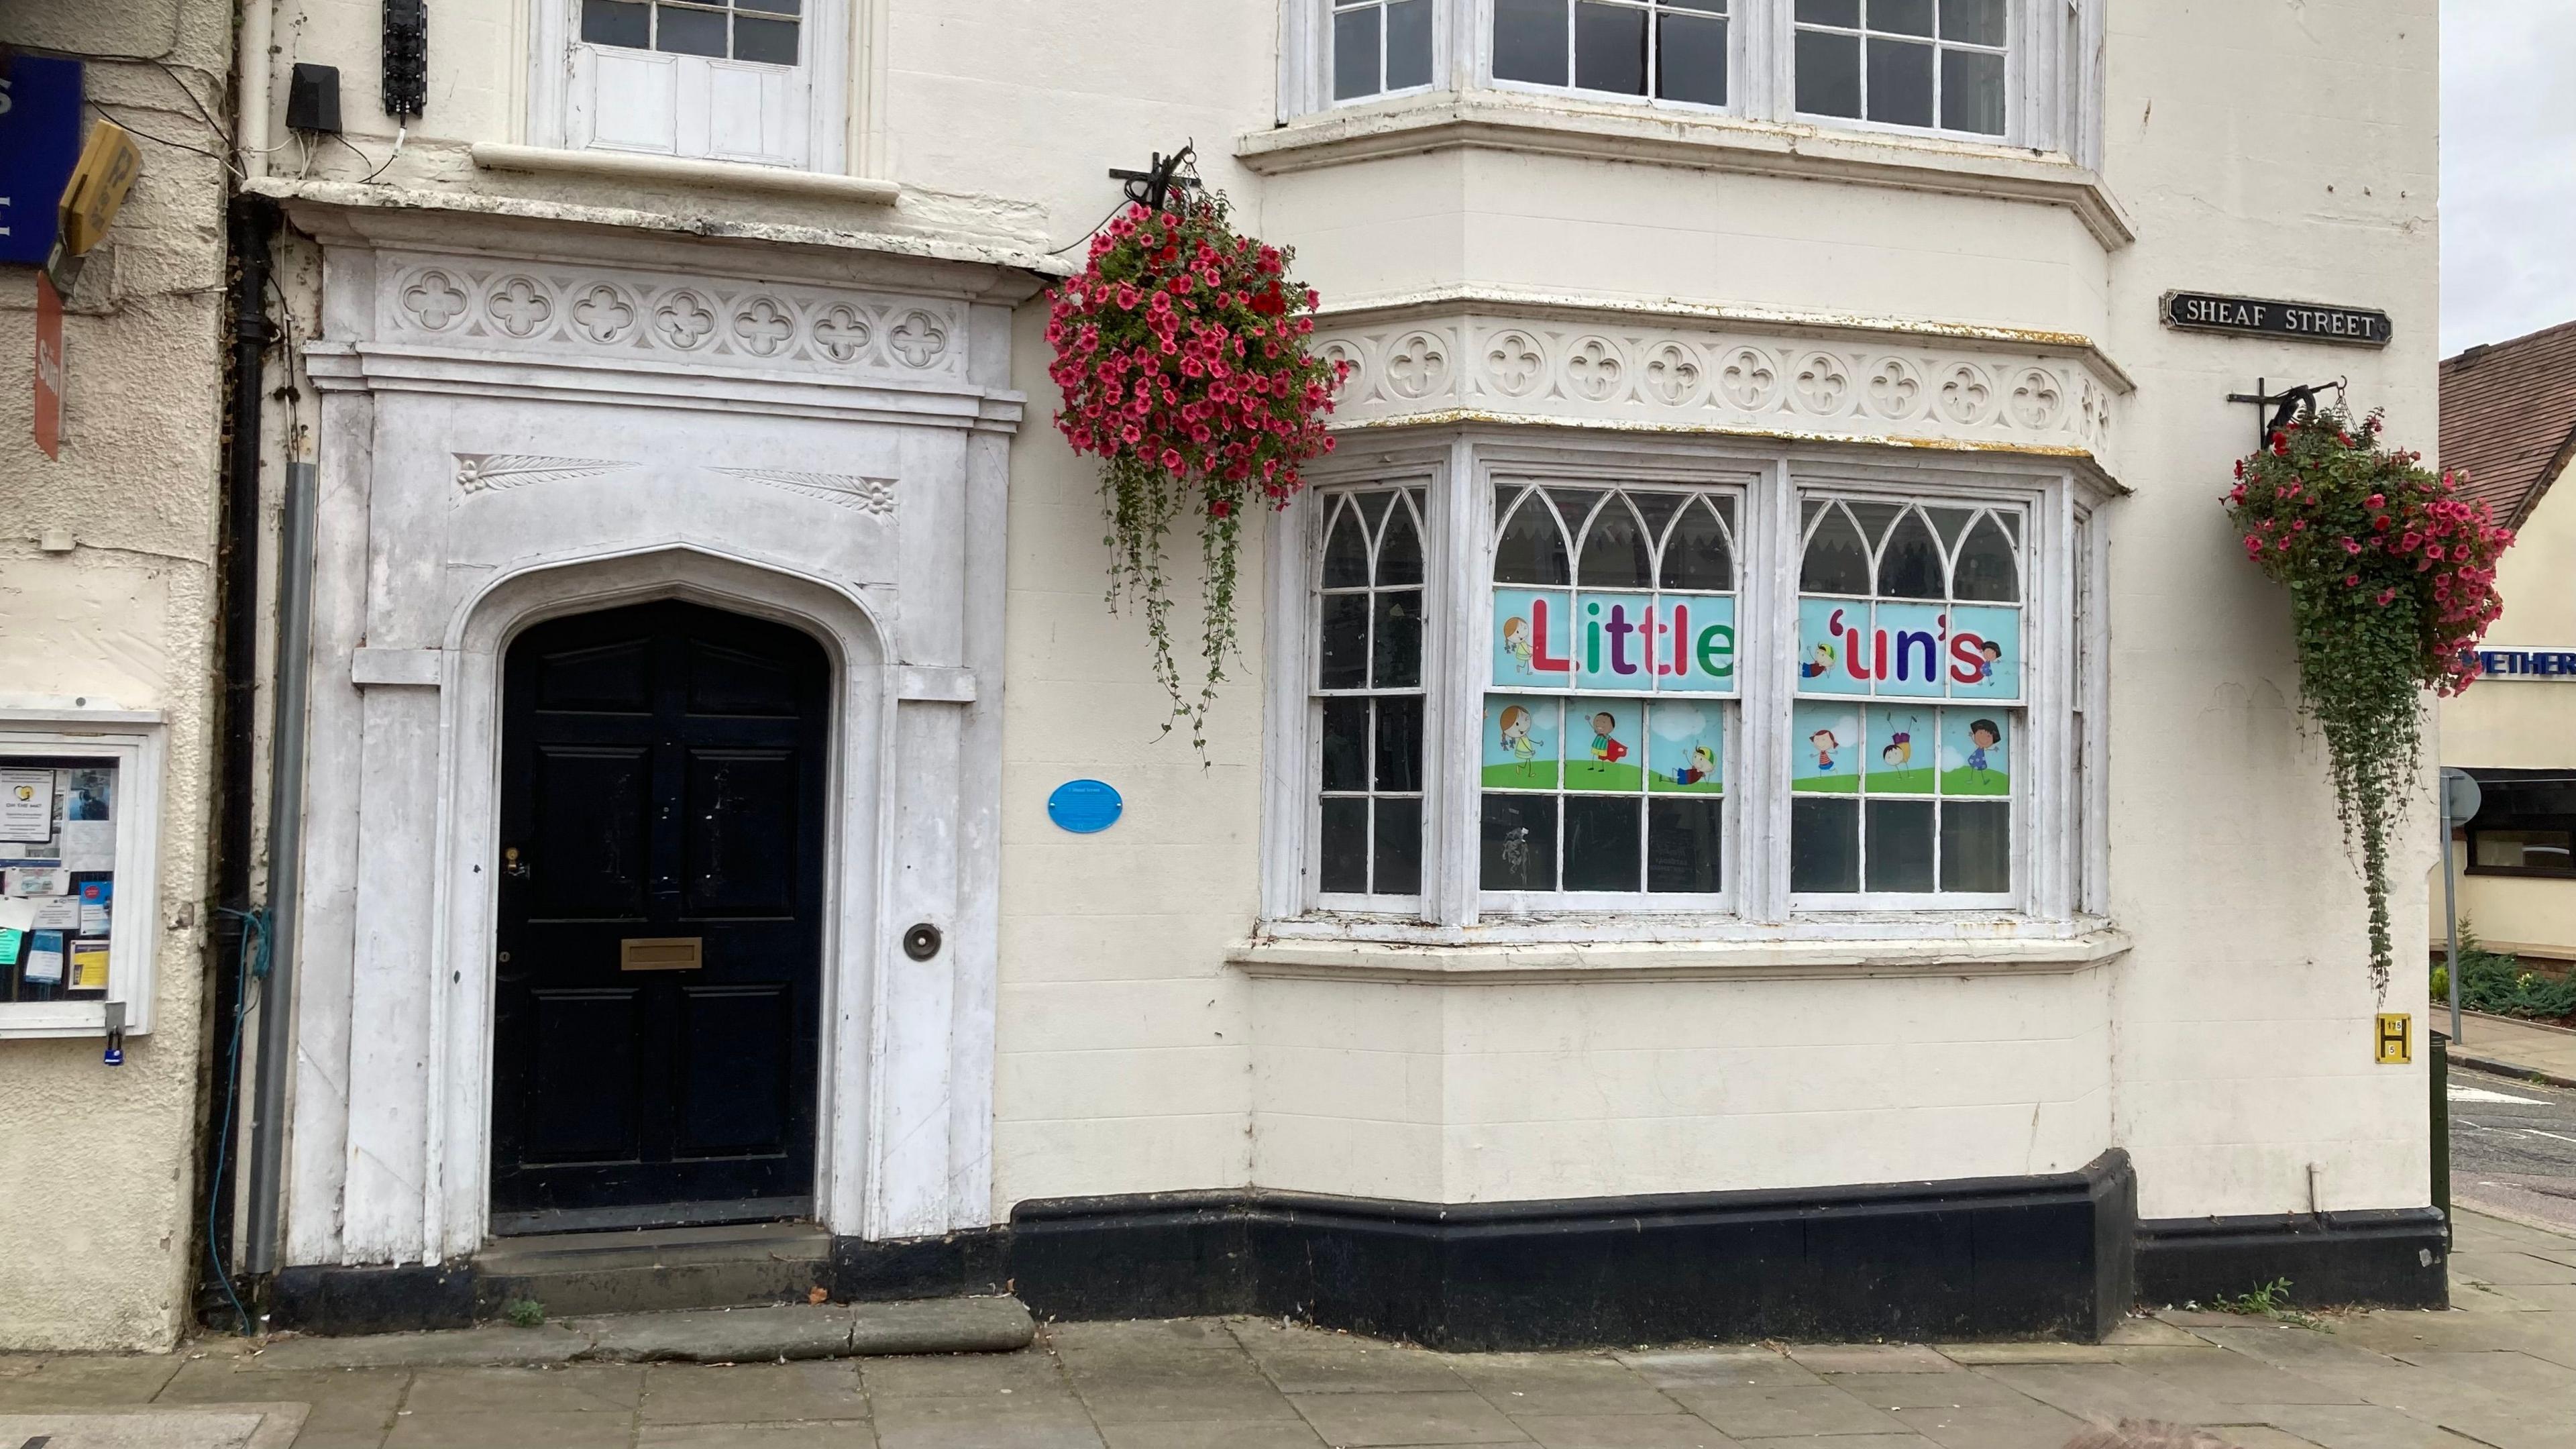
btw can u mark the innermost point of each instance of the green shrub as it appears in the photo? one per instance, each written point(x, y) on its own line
point(2498, 984)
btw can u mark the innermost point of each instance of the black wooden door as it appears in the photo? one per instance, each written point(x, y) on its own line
point(662, 782)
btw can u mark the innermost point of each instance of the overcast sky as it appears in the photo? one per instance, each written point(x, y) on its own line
point(2508, 168)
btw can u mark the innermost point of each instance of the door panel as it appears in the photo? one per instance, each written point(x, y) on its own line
point(663, 775)
point(629, 100)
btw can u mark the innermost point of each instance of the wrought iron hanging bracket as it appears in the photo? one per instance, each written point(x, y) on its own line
point(1152, 187)
point(2284, 405)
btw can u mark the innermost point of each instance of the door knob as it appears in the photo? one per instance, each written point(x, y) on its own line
point(512, 866)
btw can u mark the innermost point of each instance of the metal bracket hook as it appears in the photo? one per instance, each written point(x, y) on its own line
point(1152, 187)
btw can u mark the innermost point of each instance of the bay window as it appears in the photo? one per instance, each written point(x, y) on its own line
point(1644, 684)
point(2016, 72)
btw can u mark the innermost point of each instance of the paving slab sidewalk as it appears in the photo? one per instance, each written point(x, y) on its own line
point(2499, 1372)
point(2513, 1048)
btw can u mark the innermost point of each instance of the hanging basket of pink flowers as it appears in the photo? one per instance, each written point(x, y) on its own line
point(1182, 353)
point(2391, 576)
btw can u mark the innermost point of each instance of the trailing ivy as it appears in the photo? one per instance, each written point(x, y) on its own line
point(2392, 581)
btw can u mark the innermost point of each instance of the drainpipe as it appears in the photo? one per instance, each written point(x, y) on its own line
point(285, 860)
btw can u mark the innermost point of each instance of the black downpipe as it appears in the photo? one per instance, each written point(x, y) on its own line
point(253, 222)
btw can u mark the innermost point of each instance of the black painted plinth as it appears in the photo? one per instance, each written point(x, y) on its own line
point(1985, 1258)
point(2390, 1258)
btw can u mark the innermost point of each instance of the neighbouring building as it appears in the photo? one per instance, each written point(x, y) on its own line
point(111, 580)
point(2509, 425)
point(703, 613)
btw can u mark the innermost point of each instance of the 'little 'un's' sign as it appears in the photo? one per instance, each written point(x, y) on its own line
point(2271, 317)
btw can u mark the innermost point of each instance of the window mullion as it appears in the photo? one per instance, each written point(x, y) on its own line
point(1768, 713)
point(1455, 584)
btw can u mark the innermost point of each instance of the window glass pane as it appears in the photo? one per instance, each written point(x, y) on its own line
point(1836, 562)
point(1610, 50)
point(1657, 509)
point(1949, 523)
point(1690, 60)
point(1972, 91)
point(1399, 743)
point(1602, 742)
point(1399, 550)
point(1346, 559)
point(1529, 41)
point(1696, 555)
point(690, 32)
point(1399, 847)
point(1910, 566)
point(1355, 53)
point(1828, 73)
point(1614, 551)
point(1829, 12)
point(1976, 846)
point(1987, 572)
point(1343, 865)
point(1824, 845)
point(1900, 845)
point(1520, 742)
point(1346, 745)
point(1906, 17)
point(1900, 82)
point(1518, 843)
point(1874, 519)
point(1601, 842)
point(1978, 22)
point(1532, 549)
point(774, 7)
point(617, 22)
point(1408, 44)
point(1682, 845)
point(1398, 663)
point(1714, 7)
point(1342, 662)
point(771, 42)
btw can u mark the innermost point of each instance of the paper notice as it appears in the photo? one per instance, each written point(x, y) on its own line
point(56, 913)
point(89, 792)
point(96, 896)
point(36, 880)
point(89, 966)
point(89, 845)
point(10, 936)
point(17, 914)
point(26, 805)
point(44, 959)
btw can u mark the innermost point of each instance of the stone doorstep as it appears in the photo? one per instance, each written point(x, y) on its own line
point(720, 1335)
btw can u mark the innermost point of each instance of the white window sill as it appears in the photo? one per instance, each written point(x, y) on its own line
point(1567, 125)
point(1767, 959)
point(678, 171)
point(44, 1020)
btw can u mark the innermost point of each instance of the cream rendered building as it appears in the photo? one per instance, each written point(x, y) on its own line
point(698, 583)
point(2508, 418)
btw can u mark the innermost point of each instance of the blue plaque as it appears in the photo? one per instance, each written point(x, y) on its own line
point(1085, 807)
point(40, 137)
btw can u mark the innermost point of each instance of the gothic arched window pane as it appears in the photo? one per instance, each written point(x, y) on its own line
point(1532, 548)
point(1837, 562)
point(1399, 548)
point(1697, 554)
point(1987, 571)
point(1346, 551)
point(1614, 550)
point(1910, 566)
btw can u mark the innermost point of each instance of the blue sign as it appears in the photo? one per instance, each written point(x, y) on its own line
point(40, 137)
point(1085, 807)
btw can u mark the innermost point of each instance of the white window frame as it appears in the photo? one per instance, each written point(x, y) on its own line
point(1312, 696)
point(2059, 844)
point(134, 741)
point(2053, 72)
point(833, 30)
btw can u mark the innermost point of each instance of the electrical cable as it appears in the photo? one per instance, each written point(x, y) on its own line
point(221, 160)
point(253, 968)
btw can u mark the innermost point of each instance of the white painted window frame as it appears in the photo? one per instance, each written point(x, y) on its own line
point(2060, 844)
point(2053, 71)
point(843, 38)
point(134, 740)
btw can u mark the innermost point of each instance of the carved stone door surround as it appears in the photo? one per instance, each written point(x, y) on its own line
point(525, 419)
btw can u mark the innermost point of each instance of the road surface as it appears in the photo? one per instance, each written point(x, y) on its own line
point(2513, 1147)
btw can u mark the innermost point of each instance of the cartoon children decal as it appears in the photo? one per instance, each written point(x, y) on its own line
point(1516, 640)
point(1824, 744)
point(1820, 665)
point(1900, 750)
point(1604, 748)
point(1994, 655)
point(1701, 769)
point(1516, 734)
point(1984, 734)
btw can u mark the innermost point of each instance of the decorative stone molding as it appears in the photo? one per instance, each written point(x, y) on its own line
point(863, 495)
point(499, 472)
point(1626, 368)
point(665, 317)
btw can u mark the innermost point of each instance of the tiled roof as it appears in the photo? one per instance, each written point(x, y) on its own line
point(2509, 417)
